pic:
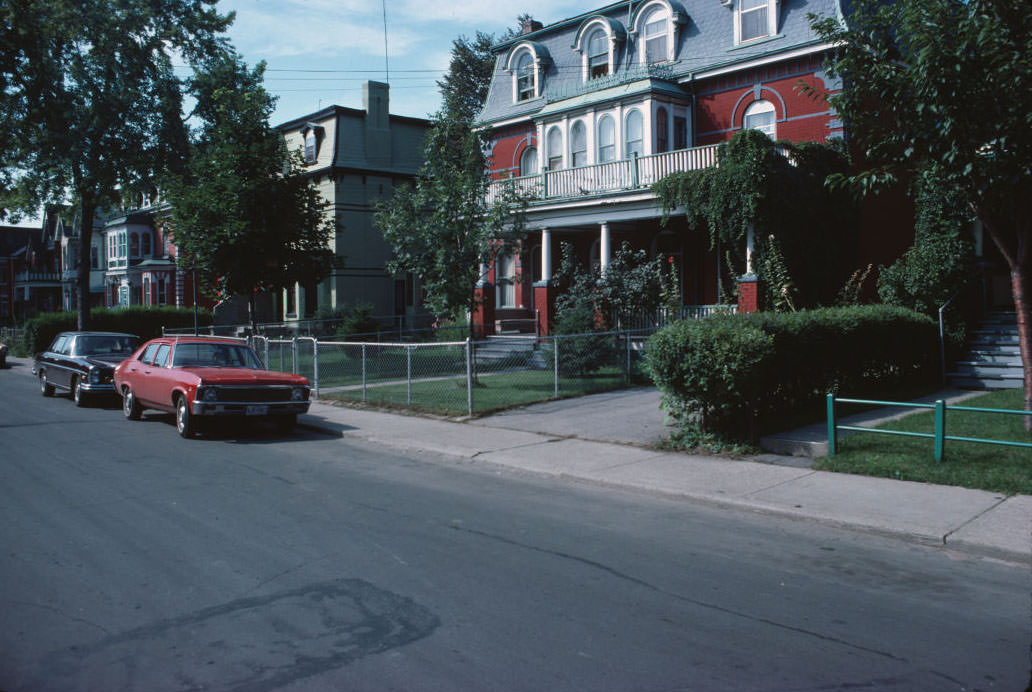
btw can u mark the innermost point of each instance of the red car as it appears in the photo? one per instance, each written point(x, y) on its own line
point(200, 378)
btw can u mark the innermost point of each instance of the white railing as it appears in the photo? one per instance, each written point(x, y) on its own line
point(634, 173)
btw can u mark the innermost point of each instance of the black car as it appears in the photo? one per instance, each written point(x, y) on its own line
point(82, 363)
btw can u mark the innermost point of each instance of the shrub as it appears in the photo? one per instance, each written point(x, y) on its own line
point(145, 322)
point(731, 375)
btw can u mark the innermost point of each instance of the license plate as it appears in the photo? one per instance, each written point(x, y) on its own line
point(257, 411)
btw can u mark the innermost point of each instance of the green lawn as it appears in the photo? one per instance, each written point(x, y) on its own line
point(491, 392)
point(967, 464)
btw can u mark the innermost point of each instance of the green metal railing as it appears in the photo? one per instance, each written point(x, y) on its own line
point(938, 434)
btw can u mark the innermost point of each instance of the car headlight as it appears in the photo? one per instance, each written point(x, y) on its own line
point(94, 376)
point(210, 394)
point(298, 394)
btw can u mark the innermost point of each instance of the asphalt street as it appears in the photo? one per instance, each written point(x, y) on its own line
point(136, 560)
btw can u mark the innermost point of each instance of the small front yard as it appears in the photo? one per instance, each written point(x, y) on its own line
point(492, 391)
point(967, 464)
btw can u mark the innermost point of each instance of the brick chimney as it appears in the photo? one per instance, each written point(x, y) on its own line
point(529, 25)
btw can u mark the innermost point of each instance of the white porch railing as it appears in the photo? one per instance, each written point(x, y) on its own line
point(634, 173)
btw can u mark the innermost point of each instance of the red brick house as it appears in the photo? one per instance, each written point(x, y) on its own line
point(588, 112)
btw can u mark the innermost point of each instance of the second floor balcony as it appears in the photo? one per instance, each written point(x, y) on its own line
point(635, 173)
point(37, 277)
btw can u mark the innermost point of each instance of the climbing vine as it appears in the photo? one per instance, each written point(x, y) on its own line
point(779, 189)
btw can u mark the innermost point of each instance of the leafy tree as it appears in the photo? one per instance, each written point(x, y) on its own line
point(941, 261)
point(90, 106)
point(464, 88)
point(445, 227)
point(245, 216)
point(804, 232)
point(944, 88)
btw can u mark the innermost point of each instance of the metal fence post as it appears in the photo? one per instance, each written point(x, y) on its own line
point(940, 429)
point(408, 373)
point(555, 363)
point(293, 355)
point(627, 344)
point(832, 433)
point(363, 373)
point(469, 375)
point(315, 365)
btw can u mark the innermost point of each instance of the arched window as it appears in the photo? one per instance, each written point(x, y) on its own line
point(555, 149)
point(662, 131)
point(634, 140)
point(606, 139)
point(529, 161)
point(525, 87)
point(578, 144)
point(598, 54)
point(134, 245)
point(760, 116)
point(656, 35)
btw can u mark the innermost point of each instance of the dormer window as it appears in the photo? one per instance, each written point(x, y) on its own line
point(754, 19)
point(655, 24)
point(311, 135)
point(310, 146)
point(526, 64)
point(597, 40)
point(598, 54)
point(655, 32)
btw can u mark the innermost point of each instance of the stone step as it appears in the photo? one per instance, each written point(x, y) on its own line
point(983, 382)
point(989, 370)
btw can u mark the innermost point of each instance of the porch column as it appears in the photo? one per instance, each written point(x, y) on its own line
point(544, 292)
point(546, 255)
point(604, 248)
point(750, 246)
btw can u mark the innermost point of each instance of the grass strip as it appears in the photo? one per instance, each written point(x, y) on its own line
point(966, 464)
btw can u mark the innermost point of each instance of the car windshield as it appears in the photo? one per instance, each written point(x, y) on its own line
point(106, 344)
point(215, 356)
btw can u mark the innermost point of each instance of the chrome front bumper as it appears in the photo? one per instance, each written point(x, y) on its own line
point(229, 408)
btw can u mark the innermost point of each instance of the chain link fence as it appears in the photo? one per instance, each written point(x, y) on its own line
point(461, 377)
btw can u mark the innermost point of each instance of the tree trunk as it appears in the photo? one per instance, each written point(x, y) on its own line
point(1019, 285)
point(87, 210)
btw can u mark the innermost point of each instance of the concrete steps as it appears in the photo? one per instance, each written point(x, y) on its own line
point(993, 360)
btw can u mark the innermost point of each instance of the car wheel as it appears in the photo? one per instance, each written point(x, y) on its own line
point(285, 424)
point(45, 388)
point(130, 406)
point(78, 396)
point(184, 421)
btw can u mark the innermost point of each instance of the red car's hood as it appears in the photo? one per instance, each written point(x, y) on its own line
point(244, 376)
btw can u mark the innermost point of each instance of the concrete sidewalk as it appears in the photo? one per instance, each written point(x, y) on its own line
point(605, 438)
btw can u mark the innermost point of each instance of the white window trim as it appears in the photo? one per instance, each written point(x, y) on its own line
point(617, 135)
point(586, 151)
point(584, 43)
point(772, 22)
point(627, 129)
point(673, 18)
point(758, 107)
point(537, 63)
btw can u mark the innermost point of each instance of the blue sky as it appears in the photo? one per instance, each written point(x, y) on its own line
point(319, 52)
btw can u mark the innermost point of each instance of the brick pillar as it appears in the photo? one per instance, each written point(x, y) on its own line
point(748, 293)
point(544, 304)
point(484, 314)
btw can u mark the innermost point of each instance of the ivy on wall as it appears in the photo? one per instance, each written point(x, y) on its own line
point(805, 231)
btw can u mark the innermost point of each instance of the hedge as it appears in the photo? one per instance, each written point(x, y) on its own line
point(729, 375)
point(145, 322)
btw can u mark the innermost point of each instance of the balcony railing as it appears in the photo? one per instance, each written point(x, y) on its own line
point(635, 173)
point(25, 277)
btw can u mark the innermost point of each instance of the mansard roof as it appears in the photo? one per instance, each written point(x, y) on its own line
point(705, 43)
